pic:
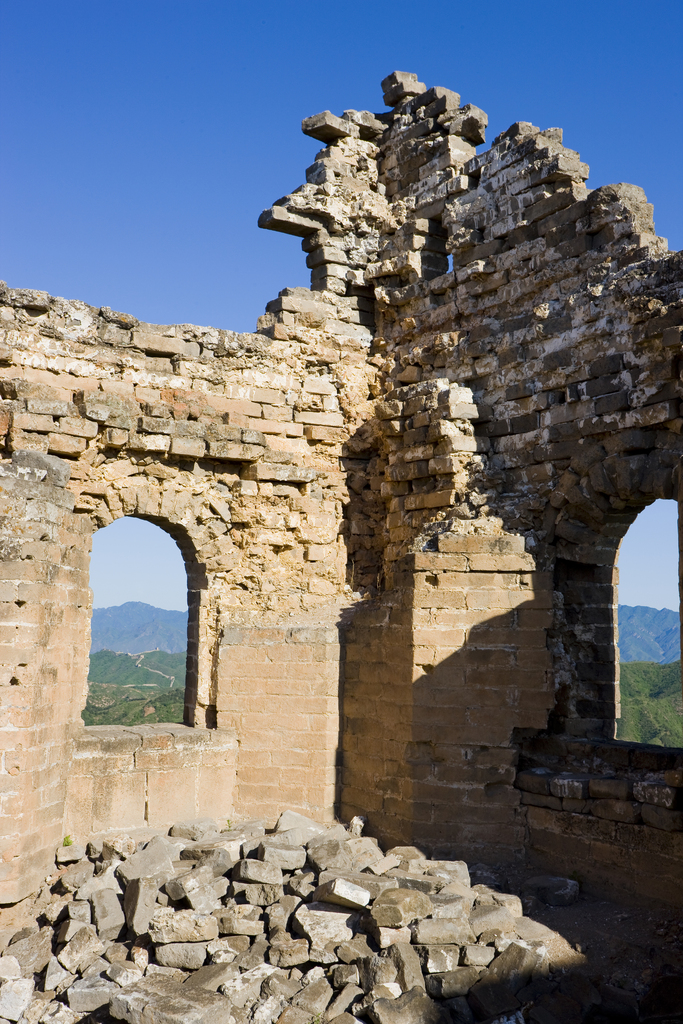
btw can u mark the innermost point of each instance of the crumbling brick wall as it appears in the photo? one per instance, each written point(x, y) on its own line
point(400, 501)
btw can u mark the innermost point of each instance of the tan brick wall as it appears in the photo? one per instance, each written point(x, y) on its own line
point(438, 676)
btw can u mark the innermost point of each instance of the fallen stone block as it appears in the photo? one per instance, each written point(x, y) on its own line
point(69, 854)
point(88, 994)
point(245, 989)
point(289, 953)
point(123, 975)
point(163, 999)
point(399, 907)
point(9, 968)
point(81, 950)
point(287, 858)
point(186, 956)
point(315, 997)
point(196, 830)
point(407, 963)
point(15, 996)
point(456, 982)
point(322, 923)
point(108, 915)
point(491, 918)
point(553, 890)
point(436, 959)
point(239, 919)
point(257, 871)
point(343, 894)
point(415, 1007)
point(495, 991)
point(169, 925)
point(154, 861)
point(442, 931)
point(139, 903)
point(33, 952)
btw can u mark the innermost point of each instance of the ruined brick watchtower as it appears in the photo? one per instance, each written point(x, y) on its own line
point(399, 503)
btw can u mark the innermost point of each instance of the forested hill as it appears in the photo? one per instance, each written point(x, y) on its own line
point(134, 627)
point(648, 634)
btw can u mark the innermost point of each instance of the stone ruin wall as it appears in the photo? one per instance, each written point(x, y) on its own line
point(399, 503)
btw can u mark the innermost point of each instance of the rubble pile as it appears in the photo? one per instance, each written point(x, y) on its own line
point(302, 924)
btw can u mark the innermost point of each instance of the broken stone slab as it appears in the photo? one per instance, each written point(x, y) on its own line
point(180, 886)
point(239, 919)
point(123, 974)
point(139, 903)
point(414, 1007)
point(397, 908)
point(375, 970)
point(108, 915)
point(170, 925)
point(386, 937)
point(288, 952)
point(287, 858)
point(259, 894)
point(343, 1001)
point(428, 884)
point(453, 870)
point(321, 923)
point(343, 894)
point(105, 880)
point(491, 918)
point(15, 996)
point(10, 968)
point(398, 86)
point(154, 861)
point(88, 994)
point(81, 950)
point(326, 127)
point(57, 978)
point(495, 991)
point(195, 830)
point(292, 819)
point(118, 847)
point(437, 959)
point(450, 905)
point(76, 875)
point(245, 989)
point(315, 997)
point(456, 982)
point(212, 976)
point(442, 932)
point(375, 886)
point(477, 956)
point(69, 854)
point(185, 956)
point(330, 854)
point(163, 999)
point(407, 964)
point(553, 890)
point(257, 871)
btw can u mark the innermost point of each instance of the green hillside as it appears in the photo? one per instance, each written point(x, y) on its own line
point(135, 689)
point(651, 704)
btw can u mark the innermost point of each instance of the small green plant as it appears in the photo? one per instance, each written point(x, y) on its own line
point(67, 841)
point(228, 822)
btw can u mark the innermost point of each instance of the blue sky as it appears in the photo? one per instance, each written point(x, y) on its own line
point(142, 138)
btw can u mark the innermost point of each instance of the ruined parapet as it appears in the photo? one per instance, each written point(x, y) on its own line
point(401, 499)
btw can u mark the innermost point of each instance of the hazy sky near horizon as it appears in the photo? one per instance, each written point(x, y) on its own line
point(144, 137)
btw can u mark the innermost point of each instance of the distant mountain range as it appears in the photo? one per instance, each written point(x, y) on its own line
point(134, 627)
point(646, 634)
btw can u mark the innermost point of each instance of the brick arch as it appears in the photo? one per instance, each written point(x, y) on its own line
point(583, 639)
point(155, 501)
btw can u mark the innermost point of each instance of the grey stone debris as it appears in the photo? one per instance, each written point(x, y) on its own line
point(555, 891)
point(284, 941)
point(15, 996)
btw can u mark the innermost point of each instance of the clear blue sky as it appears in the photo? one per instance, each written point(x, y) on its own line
point(648, 558)
point(142, 138)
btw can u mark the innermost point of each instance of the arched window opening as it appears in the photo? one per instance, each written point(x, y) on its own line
point(649, 645)
point(139, 626)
